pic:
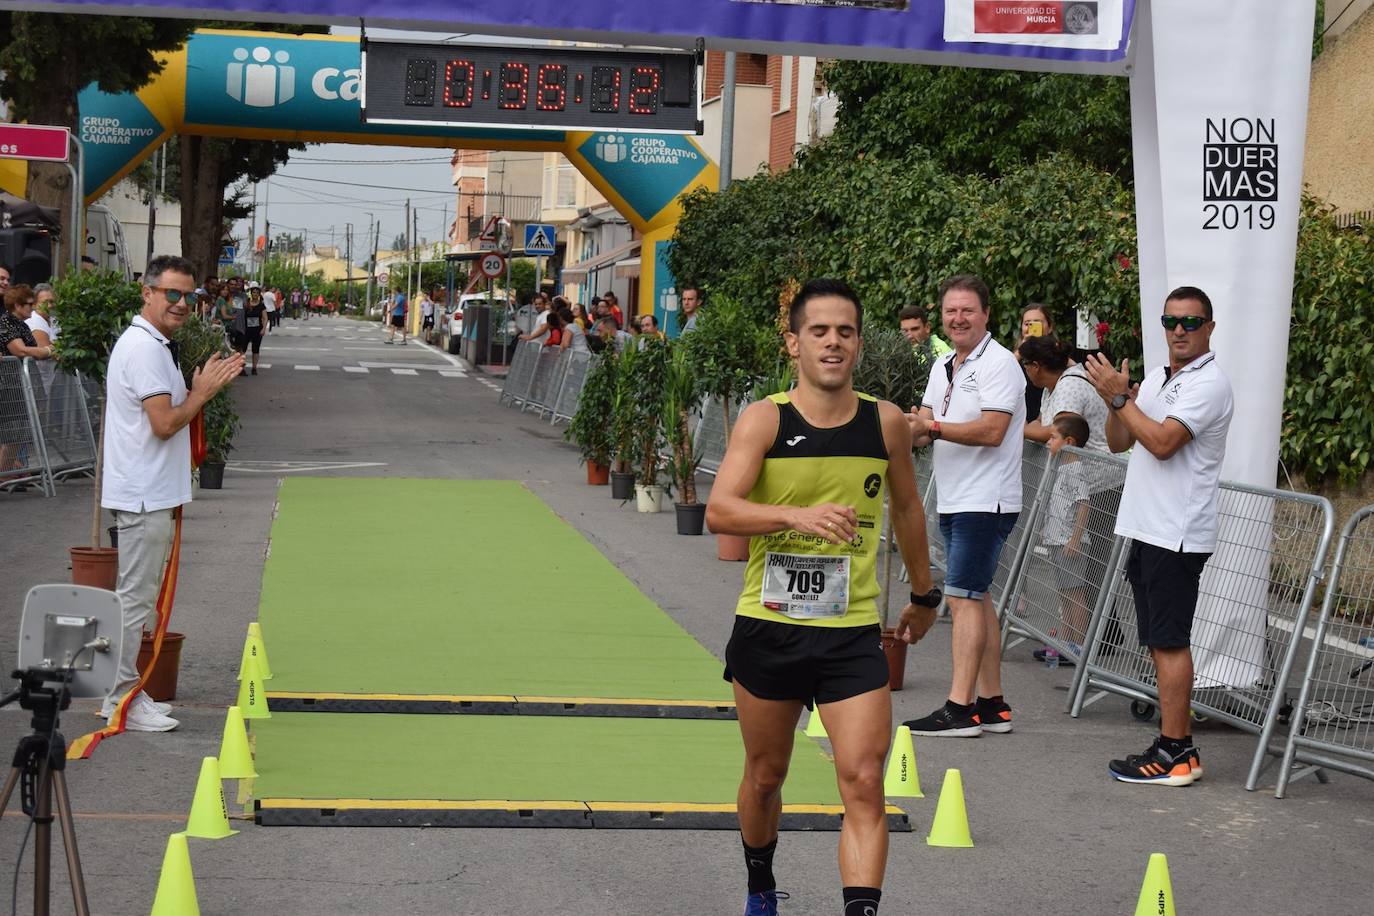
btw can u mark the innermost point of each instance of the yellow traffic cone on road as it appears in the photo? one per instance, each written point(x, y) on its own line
point(815, 728)
point(252, 702)
point(1157, 893)
point(235, 759)
point(902, 780)
point(209, 818)
point(176, 888)
point(255, 651)
point(950, 827)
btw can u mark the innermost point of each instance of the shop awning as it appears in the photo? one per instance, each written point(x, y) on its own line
point(627, 269)
point(604, 259)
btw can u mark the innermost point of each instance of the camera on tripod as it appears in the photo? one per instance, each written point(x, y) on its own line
point(70, 639)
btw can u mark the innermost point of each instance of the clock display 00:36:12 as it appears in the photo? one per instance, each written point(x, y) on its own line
point(518, 86)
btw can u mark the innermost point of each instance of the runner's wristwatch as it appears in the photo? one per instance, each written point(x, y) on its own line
point(931, 598)
point(1119, 401)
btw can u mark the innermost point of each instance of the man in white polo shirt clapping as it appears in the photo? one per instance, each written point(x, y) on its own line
point(1177, 419)
point(147, 470)
point(974, 411)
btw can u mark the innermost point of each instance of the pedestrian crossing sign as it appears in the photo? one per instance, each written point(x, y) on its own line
point(539, 239)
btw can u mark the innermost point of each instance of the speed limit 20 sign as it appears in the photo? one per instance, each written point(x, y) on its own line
point(492, 265)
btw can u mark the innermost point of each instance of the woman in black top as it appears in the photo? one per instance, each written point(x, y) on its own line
point(254, 324)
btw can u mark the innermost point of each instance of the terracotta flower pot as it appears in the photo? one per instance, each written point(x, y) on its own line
point(162, 683)
point(598, 475)
point(95, 566)
point(895, 650)
point(732, 548)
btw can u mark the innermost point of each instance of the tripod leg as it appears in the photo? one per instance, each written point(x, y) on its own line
point(10, 783)
point(64, 814)
point(42, 842)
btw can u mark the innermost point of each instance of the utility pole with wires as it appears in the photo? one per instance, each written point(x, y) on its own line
point(266, 228)
point(348, 264)
point(417, 254)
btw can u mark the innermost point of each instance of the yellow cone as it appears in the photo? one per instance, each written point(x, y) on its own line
point(176, 889)
point(1156, 894)
point(950, 827)
point(252, 702)
point(235, 760)
point(209, 818)
point(815, 728)
point(255, 651)
point(902, 780)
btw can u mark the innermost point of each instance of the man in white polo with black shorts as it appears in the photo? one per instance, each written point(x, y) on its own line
point(974, 411)
point(1177, 419)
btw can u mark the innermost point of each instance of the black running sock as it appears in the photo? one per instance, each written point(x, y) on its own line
point(990, 701)
point(964, 709)
point(861, 901)
point(1175, 746)
point(759, 862)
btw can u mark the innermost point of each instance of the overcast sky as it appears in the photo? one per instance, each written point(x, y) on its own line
point(328, 185)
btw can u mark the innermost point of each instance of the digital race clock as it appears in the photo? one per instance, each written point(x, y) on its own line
point(544, 86)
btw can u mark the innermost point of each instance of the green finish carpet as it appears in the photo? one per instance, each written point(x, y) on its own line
point(460, 587)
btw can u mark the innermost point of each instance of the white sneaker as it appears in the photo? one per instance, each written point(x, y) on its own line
point(161, 708)
point(144, 718)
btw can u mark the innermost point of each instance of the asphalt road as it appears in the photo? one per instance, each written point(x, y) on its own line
point(1053, 834)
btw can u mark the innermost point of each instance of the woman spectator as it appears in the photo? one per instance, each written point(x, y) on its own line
point(553, 330)
point(1048, 365)
point(574, 335)
point(16, 339)
point(1035, 322)
point(579, 312)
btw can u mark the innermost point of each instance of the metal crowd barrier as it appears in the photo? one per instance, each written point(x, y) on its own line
point(1062, 562)
point(548, 368)
point(67, 426)
point(1255, 596)
point(1333, 722)
point(521, 372)
point(710, 433)
point(22, 458)
point(574, 377)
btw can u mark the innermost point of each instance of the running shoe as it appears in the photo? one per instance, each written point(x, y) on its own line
point(946, 723)
point(1065, 661)
point(993, 717)
point(1155, 767)
point(763, 904)
point(1195, 762)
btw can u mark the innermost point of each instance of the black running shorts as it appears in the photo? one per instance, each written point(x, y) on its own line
point(252, 339)
point(783, 661)
point(1165, 585)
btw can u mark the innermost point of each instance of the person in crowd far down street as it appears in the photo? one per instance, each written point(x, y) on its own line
point(1175, 424)
point(147, 471)
point(609, 334)
point(578, 310)
point(397, 320)
point(88, 263)
point(803, 477)
point(648, 327)
point(974, 412)
point(613, 303)
point(426, 314)
point(573, 337)
point(269, 302)
point(1035, 322)
point(253, 324)
point(914, 321)
point(691, 303)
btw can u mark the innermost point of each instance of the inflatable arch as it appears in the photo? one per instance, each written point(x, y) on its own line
point(270, 86)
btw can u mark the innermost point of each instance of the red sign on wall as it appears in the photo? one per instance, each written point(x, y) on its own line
point(33, 141)
point(1035, 17)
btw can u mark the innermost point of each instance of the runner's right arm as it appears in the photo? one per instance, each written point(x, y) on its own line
point(729, 510)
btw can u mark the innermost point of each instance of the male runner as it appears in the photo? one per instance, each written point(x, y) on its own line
point(804, 477)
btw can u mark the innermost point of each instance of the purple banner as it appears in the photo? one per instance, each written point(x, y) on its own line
point(877, 29)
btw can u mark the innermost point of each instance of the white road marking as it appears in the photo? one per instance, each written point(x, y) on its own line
point(449, 374)
point(355, 369)
point(308, 368)
point(404, 372)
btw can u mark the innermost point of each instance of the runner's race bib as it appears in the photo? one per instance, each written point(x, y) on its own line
point(805, 586)
point(254, 322)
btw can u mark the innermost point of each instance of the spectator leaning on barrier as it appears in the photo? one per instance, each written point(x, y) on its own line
point(147, 471)
point(16, 338)
point(974, 411)
point(914, 321)
point(40, 322)
point(1177, 420)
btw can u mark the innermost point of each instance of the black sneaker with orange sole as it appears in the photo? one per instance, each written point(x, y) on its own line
point(1156, 767)
point(995, 718)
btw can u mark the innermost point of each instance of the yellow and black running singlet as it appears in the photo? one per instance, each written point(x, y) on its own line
point(802, 578)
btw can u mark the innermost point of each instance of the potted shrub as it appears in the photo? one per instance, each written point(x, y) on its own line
point(649, 374)
point(726, 352)
point(591, 425)
point(681, 399)
point(221, 426)
point(891, 369)
point(93, 309)
point(624, 417)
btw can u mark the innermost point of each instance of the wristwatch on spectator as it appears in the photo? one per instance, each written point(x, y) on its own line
point(934, 429)
point(1119, 401)
point(931, 598)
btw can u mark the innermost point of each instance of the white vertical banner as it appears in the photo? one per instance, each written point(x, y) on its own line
point(1219, 113)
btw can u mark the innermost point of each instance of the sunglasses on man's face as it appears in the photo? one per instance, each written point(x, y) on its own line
point(1190, 322)
point(175, 295)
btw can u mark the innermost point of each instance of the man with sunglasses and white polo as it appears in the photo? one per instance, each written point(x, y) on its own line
point(1175, 423)
point(147, 471)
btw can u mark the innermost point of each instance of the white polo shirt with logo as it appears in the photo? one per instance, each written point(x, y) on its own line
point(978, 478)
point(1173, 504)
point(143, 473)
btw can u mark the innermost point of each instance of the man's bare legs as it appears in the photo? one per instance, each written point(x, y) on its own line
point(767, 727)
point(977, 649)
